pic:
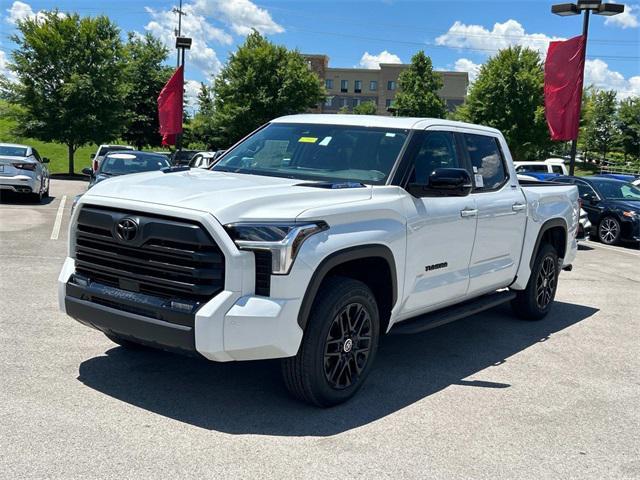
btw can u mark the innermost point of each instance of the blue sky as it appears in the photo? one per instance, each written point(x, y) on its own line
point(458, 35)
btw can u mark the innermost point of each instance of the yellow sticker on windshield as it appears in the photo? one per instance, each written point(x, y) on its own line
point(308, 139)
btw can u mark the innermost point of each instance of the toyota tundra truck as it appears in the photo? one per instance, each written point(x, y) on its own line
point(311, 238)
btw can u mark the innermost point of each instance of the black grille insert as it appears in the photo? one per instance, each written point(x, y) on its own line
point(167, 257)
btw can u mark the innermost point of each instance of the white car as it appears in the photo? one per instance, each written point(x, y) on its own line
point(97, 157)
point(636, 182)
point(23, 170)
point(550, 165)
point(313, 237)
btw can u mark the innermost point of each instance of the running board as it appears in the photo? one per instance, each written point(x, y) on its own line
point(451, 314)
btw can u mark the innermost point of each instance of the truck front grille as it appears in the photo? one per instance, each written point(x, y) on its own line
point(165, 257)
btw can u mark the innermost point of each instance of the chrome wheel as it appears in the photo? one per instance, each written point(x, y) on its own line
point(609, 230)
point(347, 346)
point(546, 282)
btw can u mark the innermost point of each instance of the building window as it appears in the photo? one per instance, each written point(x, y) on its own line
point(328, 101)
point(344, 86)
point(357, 86)
point(373, 85)
point(345, 101)
point(328, 84)
point(356, 102)
point(388, 102)
point(391, 85)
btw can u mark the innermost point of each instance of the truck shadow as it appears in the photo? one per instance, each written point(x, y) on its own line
point(249, 397)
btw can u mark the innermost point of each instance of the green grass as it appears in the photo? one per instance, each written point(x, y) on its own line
point(55, 152)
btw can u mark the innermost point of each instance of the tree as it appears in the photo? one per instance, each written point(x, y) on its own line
point(145, 76)
point(601, 131)
point(628, 121)
point(70, 79)
point(261, 81)
point(202, 130)
point(365, 108)
point(509, 95)
point(418, 90)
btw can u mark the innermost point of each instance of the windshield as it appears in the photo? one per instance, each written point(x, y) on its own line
point(335, 153)
point(617, 190)
point(114, 148)
point(124, 163)
point(13, 151)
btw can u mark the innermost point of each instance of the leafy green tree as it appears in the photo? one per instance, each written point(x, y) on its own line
point(205, 100)
point(601, 129)
point(262, 81)
point(145, 75)
point(418, 90)
point(202, 129)
point(628, 121)
point(70, 80)
point(344, 110)
point(365, 108)
point(509, 95)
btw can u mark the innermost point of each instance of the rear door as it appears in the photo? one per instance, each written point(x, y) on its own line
point(502, 215)
point(440, 230)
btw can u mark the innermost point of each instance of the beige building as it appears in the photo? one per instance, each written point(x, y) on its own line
point(348, 87)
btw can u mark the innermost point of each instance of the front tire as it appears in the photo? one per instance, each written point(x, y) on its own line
point(339, 344)
point(609, 231)
point(535, 301)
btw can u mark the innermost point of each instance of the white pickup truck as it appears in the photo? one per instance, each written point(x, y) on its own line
point(311, 238)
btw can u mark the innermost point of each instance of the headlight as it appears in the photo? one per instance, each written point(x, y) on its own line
point(283, 240)
point(631, 214)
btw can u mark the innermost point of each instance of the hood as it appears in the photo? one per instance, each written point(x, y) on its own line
point(230, 197)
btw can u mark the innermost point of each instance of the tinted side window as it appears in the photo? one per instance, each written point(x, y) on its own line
point(557, 169)
point(584, 188)
point(36, 154)
point(486, 160)
point(437, 150)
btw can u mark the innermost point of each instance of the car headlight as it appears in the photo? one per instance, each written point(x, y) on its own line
point(631, 214)
point(283, 240)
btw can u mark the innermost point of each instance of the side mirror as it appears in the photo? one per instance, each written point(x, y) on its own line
point(590, 198)
point(87, 171)
point(45, 160)
point(92, 156)
point(444, 182)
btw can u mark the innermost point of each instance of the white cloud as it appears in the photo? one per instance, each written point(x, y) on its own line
point(466, 65)
point(21, 11)
point(373, 61)
point(191, 90)
point(241, 15)
point(503, 35)
point(4, 68)
point(195, 26)
point(598, 74)
point(626, 19)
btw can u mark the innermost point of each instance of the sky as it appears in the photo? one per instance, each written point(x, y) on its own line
point(458, 35)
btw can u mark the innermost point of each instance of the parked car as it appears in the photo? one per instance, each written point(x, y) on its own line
point(24, 171)
point(625, 177)
point(97, 157)
point(613, 207)
point(205, 159)
point(636, 182)
point(544, 170)
point(311, 238)
point(182, 157)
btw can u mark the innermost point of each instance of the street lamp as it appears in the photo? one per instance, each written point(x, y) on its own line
point(586, 6)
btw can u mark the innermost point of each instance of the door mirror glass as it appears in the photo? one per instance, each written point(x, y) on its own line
point(87, 171)
point(444, 182)
point(45, 160)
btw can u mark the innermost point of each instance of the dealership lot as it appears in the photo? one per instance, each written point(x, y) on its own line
point(486, 397)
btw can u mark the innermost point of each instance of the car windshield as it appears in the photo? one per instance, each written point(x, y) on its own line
point(334, 153)
point(113, 148)
point(615, 190)
point(10, 151)
point(124, 163)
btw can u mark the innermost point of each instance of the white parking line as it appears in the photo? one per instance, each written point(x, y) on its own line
point(613, 249)
point(58, 223)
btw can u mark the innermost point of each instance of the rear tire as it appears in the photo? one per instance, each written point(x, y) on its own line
point(128, 344)
point(535, 301)
point(339, 344)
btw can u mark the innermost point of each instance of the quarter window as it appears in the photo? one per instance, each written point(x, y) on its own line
point(487, 162)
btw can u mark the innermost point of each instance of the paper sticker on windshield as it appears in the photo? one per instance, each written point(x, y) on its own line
point(388, 134)
point(308, 139)
point(325, 141)
point(479, 181)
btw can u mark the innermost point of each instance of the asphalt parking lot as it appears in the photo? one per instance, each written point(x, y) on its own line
point(486, 397)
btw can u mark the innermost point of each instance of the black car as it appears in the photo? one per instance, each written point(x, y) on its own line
point(182, 157)
point(125, 162)
point(613, 207)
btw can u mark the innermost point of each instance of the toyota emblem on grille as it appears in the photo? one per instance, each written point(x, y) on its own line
point(127, 229)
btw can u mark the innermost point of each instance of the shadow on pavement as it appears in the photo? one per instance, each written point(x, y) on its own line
point(249, 397)
point(12, 198)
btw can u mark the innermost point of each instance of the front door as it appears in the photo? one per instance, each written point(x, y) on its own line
point(440, 230)
point(502, 216)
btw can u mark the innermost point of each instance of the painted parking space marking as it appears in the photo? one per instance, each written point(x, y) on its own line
point(58, 223)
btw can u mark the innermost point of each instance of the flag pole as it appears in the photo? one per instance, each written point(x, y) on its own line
point(574, 142)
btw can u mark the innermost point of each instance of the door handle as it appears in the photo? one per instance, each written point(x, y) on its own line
point(469, 212)
point(518, 207)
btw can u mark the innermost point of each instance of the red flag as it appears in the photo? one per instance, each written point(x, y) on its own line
point(563, 75)
point(170, 107)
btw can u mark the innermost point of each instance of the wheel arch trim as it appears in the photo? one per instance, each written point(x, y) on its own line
point(546, 226)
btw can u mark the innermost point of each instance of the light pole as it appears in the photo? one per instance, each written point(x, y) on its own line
point(586, 6)
point(182, 44)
